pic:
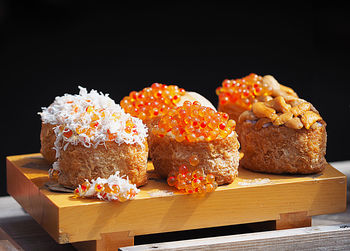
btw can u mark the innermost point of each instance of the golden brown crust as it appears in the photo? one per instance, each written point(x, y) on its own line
point(283, 150)
point(78, 163)
point(219, 157)
point(150, 124)
point(47, 139)
point(283, 136)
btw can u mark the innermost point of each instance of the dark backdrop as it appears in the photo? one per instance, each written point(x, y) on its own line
point(48, 48)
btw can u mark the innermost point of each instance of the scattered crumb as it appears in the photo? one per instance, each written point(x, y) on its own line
point(161, 193)
point(254, 182)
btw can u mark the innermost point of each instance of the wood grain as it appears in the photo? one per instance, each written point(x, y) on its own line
point(69, 220)
point(293, 220)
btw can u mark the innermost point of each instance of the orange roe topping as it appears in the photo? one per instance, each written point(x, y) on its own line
point(194, 123)
point(192, 182)
point(152, 101)
point(242, 91)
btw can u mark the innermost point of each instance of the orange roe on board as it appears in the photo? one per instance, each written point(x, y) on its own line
point(192, 182)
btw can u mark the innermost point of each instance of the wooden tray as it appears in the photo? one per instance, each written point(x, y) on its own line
point(288, 200)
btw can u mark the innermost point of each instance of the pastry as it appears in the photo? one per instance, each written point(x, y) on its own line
point(47, 139)
point(94, 138)
point(199, 138)
point(283, 136)
point(58, 111)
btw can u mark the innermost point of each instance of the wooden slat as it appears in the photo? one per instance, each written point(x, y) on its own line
point(293, 220)
point(309, 238)
point(7, 243)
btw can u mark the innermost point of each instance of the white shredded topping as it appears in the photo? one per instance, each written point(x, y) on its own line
point(90, 119)
point(71, 113)
point(126, 190)
point(62, 107)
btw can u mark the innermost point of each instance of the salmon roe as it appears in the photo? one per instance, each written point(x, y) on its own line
point(192, 182)
point(194, 123)
point(242, 91)
point(152, 101)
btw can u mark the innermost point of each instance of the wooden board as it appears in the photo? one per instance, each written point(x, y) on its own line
point(284, 199)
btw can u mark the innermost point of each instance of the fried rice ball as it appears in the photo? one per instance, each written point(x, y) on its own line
point(88, 135)
point(47, 139)
point(283, 137)
point(219, 157)
point(193, 130)
point(78, 163)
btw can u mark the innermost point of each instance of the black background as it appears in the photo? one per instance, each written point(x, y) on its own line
point(48, 48)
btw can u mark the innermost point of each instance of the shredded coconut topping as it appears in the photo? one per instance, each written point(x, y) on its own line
point(91, 119)
point(64, 106)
